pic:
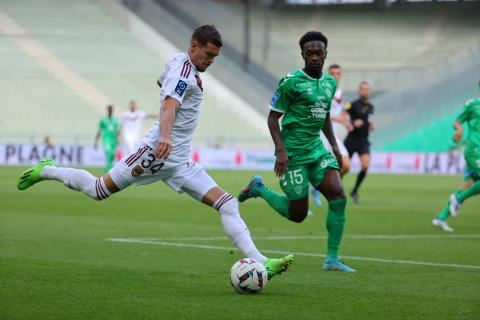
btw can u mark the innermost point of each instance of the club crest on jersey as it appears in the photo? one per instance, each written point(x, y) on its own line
point(137, 171)
point(180, 88)
point(275, 98)
point(298, 189)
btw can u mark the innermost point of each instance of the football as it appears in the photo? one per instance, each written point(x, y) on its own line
point(248, 276)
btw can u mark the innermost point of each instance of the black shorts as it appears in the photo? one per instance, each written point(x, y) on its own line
point(357, 146)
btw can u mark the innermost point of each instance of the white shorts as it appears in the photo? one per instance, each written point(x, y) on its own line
point(141, 167)
point(341, 146)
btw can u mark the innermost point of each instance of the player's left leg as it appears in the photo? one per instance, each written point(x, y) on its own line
point(330, 185)
point(364, 154)
point(468, 189)
point(451, 207)
point(110, 149)
point(203, 188)
point(294, 183)
point(473, 190)
point(75, 179)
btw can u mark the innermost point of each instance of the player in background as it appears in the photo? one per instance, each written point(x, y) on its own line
point(165, 153)
point(471, 185)
point(109, 129)
point(340, 123)
point(361, 116)
point(132, 125)
point(303, 99)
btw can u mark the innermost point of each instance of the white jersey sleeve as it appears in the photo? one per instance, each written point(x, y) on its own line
point(174, 79)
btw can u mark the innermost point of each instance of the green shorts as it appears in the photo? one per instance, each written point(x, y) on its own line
point(110, 147)
point(296, 179)
point(472, 169)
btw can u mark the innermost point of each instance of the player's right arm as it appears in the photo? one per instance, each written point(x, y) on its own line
point(174, 86)
point(281, 162)
point(458, 131)
point(281, 100)
point(457, 124)
point(167, 118)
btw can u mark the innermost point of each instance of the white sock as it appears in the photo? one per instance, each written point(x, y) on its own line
point(78, 180)
point(235, 227)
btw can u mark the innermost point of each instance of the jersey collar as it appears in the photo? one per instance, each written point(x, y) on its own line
point(191, 63)
point(306, 75)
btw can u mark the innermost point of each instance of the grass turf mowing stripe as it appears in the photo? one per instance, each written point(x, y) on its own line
point(356, 237)
point(306, 254)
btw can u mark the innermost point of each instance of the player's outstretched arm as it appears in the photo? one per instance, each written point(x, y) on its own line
point(281, 163)
point(97, 137)
point(167, 118)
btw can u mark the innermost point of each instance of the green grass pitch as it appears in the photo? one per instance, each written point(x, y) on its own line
point(56, 262)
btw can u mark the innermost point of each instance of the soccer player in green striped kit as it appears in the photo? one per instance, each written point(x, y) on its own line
point(109, 129)
point(303, 99)
point(471, 186)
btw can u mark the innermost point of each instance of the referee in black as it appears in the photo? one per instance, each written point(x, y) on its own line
point(361, 116)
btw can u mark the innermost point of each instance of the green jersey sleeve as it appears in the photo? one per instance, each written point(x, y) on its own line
point(282, 98)
point(466, 113)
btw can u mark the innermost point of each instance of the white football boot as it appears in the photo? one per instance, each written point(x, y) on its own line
point(442, 225)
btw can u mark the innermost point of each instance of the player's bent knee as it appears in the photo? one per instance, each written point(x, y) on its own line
point(226, 204)
point(335, 194)
point(297, 218)
point(101, 190)
point(297, 215)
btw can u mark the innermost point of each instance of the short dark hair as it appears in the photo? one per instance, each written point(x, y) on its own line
point(364, 83)
point(334, 66)
point(207, 33)
point(313, 36)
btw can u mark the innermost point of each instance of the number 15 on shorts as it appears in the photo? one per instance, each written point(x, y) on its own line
point(294, 177)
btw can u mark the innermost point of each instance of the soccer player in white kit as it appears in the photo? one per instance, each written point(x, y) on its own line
point(339, 118)
point(132, 125)
point(166, 150)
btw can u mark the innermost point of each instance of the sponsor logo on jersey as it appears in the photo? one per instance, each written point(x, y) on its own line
point(275, 98)
point(180, 88)
point(319, 110)
point(137, 171)
point(326, 162)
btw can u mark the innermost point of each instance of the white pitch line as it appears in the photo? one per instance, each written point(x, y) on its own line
point(306, 254)
point(355, 237)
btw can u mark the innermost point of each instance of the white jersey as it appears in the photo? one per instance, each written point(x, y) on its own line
point(181, 81)
point(132, 122)
point(336, 110)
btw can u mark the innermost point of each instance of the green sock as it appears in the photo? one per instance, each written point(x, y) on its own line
point(473, 190)
point(335, 225)
point(445, 213)
point(277, 201)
